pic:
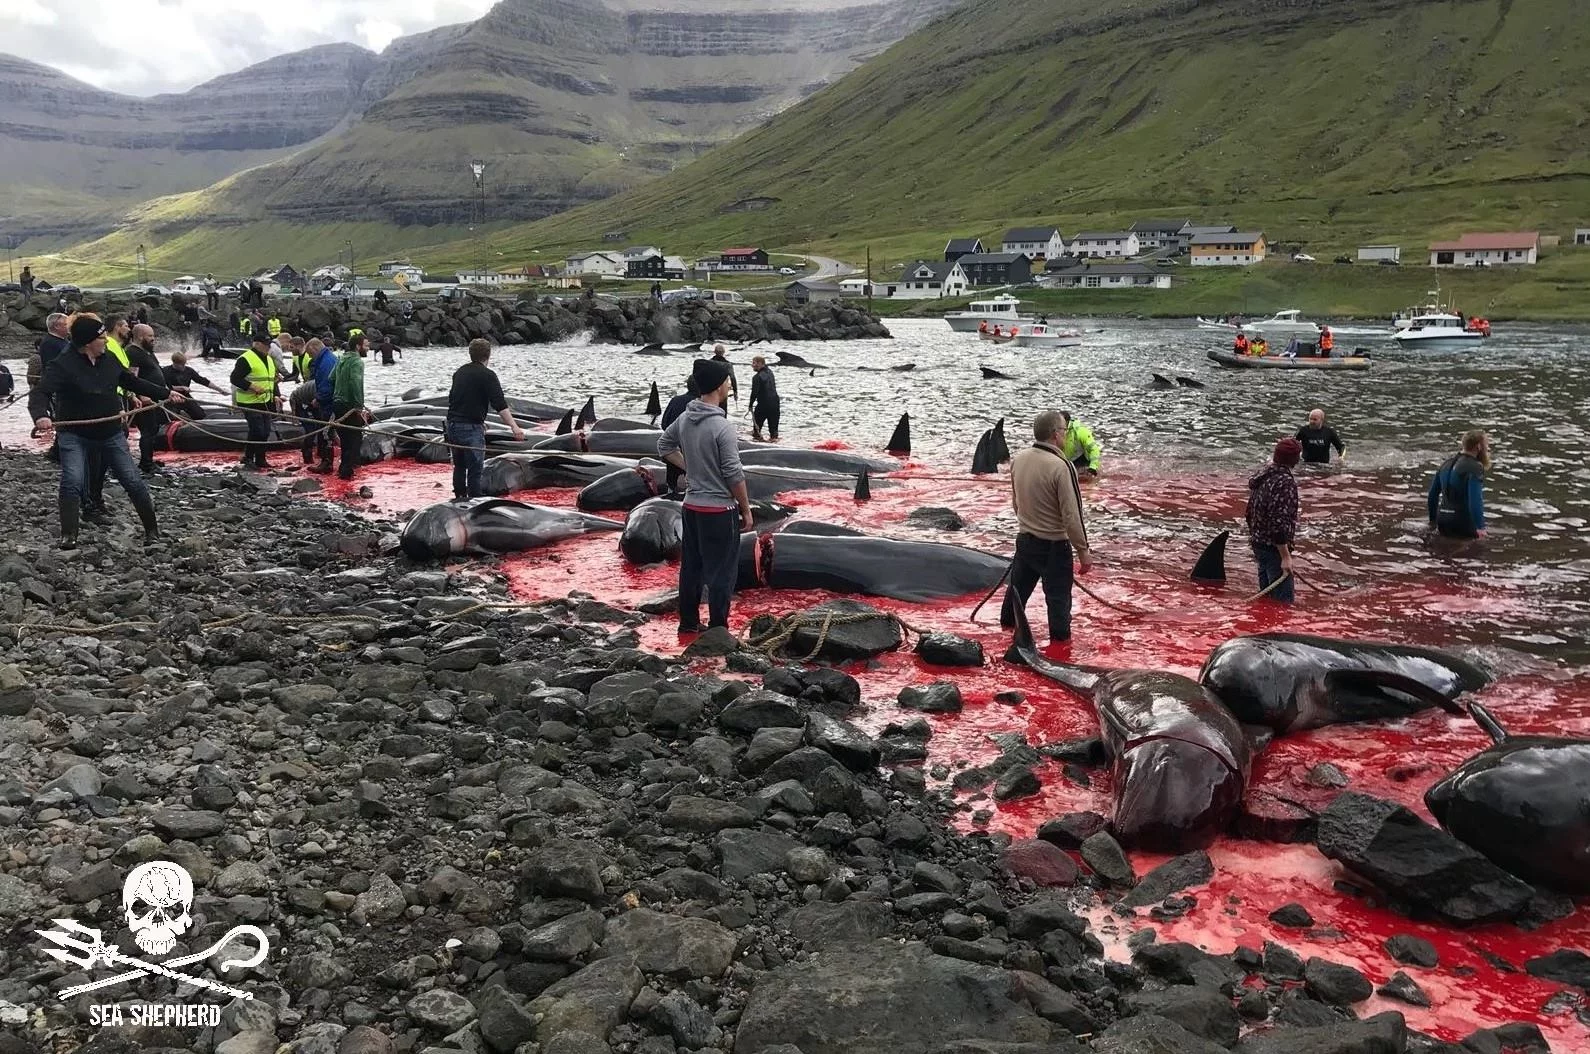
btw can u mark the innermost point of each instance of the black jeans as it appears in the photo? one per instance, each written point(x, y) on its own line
point(709, 559)
point(1268, 557)
point(1040, 560)
point(150, 423)
point(259, 433)
point(766, 413)
point(349, 435)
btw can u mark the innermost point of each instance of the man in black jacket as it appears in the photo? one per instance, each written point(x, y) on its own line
point(141, 355)
point(82, 385)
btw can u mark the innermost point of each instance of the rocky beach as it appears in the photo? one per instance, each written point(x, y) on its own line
point(472, 825)
point(503, 320)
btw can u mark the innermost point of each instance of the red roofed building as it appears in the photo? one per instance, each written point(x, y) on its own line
point(1487, 250)
point(743, 260)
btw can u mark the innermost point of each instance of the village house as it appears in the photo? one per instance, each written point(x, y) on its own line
point(600, 264)
point(1104, 275)
point(639, 252)
point(956, 248)
point(525, 273)
point(811, 293)
point(1195, 230)
point(1581, 236)
point(751, 259)
point(856, 286)
point(391, 267)
point(479, 277)
point(1155, 235)
point(1035, 243)
point(1377, 253)
point(647, 265)
point(1485, 250)
point(1228, 249)
point(1120, 244)
point(996, 268)
point(674, 267)
point(929, 280)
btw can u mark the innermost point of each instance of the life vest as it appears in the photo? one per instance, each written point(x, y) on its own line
point(1241, 344)
point(120, 354)
point(302, 360)
point(245, 325)
point(274, 326)
point(262, 372)
point(1327, 340)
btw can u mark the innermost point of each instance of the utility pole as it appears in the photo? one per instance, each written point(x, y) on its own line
point(11, 243)
point(478, 167)
point(143, 264)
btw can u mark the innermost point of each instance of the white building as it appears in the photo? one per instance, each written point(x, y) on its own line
point(1513, 248)
point(929, 280)
point(1125, 275)
point(1376, 253)
point(640, 252)
point(1106, 244)
point(392, 267)
point(1035, 243)
point(602, 264)
point(486, 278)
point(1581, 236)
point(854, 286)
point(1154, 235)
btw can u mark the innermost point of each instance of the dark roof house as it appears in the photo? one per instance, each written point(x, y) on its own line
point(956, 248)
point(996, 268)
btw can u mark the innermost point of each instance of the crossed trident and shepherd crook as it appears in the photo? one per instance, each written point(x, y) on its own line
point(157, 901)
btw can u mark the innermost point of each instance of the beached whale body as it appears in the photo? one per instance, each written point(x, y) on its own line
point(491, 525)
point(809, 555)
point(1293, 681)
point(531, 470)
point(1524, 802)
point(1179, 760)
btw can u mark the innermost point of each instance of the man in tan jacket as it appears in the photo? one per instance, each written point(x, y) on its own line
point(1048, 504)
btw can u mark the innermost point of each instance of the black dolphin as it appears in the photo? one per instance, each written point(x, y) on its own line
point(621, 424)
point(900, 441)
point(844, 562)
point(491, 525)
point(654, 529)
point(1293, 681)
point(623, 489)
point(815, 460)
point(536, 468)
point(1161, 381)
point(991, 451)
point(1180, 762)
point(991, 374)
point(1524, 802)
point(789, 358)
point(654, 407)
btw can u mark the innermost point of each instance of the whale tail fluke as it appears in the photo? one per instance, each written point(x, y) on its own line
point(1488, 722)
point(588, 412)
point(566, 425)
point(1211, 565)
point(900, 442)
point(863, 486)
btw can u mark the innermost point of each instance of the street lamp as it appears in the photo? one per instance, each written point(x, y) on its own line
point(478, 168)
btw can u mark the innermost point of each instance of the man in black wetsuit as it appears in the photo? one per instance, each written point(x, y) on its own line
point(1457, 493)
point(1318, 438)
point(764, 404)
point(180, 377)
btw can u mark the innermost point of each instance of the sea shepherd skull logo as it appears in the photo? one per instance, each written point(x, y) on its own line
point(157, 905)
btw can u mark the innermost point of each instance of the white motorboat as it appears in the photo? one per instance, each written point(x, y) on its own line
point(1288, 323)
point(1003, 311)
point(1035, 335)
point(1439, 329)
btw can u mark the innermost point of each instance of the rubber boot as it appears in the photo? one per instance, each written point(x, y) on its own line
point(71, 515)
point(146, 513)
point(95, 514)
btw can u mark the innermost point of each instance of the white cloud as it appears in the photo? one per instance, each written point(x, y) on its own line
point(142, 47)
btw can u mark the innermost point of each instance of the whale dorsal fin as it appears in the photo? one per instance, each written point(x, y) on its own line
point(1485, 720)
point(1380, 682)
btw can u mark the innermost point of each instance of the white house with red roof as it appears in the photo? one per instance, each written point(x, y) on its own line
point(1511, 249)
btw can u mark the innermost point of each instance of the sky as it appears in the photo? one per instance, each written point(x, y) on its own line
point(144, 47)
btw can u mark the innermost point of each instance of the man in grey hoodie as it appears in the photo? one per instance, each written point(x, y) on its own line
point(702, 442)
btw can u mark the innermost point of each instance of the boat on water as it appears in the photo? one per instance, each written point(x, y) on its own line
point(1003, 310)
point(1288, 323)
point(1442, 329)
point(1035, 335)
point(1288, 362)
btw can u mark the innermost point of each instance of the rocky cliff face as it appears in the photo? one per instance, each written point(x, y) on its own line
point(567, 101)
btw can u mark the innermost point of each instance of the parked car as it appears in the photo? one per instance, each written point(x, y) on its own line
point(453, 292)
point(786, 270)
point(151, 290)
point(226, 290)
point(67, 289)
point(1394, 263)
point(1344, 259)
point(1302, 258)
point(188, 289)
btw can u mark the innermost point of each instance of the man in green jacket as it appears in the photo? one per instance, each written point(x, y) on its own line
point(347, 405)
point(1079, 446)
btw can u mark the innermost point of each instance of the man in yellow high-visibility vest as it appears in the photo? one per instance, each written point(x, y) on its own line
point(254, 390)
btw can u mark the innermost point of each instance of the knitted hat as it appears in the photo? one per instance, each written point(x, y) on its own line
point(1288, 452)
point(86, 330)
point(709, 374)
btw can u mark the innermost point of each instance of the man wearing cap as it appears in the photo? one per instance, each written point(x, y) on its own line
point(702, 443)
point(85, 385)
point(254, 391)
point(1048, 504)
point(1272, 519)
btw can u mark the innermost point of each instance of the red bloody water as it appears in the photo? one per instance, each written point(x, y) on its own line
point(1148, 530)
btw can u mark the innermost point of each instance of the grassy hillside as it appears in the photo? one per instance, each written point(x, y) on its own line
point(1327, 123)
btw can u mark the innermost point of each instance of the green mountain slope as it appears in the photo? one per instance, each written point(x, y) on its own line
point(1326, 122)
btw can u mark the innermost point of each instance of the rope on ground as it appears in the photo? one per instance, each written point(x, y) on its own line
point(784, 627)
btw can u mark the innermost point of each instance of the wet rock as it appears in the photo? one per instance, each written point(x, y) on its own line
point(1282, 963)
point(1515, 1038)
point(666, 944)
point(687, 1021)
point(857, 750)
point(1405, 989)
point(1267, 818)
point(1105, 858)
point(940, 697)
point(1565, 966)
point(714, 643)
point(865, 632)
point(1176, 962)
point(594, 1000)
point(564, 939)
point(1293, 916)
point(1201, 1011)
point(756, 710)
point(563, 869)
point(1043, 862)
point(1425, 870)
point(1381, 1034)
point(1018, 781)
point(1335, 983)
point(1151, 1034)
point(1174, 875)
point(892, 994)
point(1072, 829)
point(947, 649)
point(743, 853)
point(1413, 951)
point(504, 1020)
point(937, 518)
